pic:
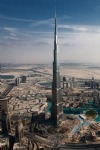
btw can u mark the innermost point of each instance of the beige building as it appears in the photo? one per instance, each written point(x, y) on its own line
point(4, 104)
point(4, 143)
point(17, 146)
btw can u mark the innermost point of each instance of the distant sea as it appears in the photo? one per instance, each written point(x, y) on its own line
point(6, 76)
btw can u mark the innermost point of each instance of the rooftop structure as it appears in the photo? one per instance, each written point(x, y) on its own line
point(4, 142)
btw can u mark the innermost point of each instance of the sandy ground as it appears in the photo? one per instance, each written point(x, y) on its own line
point(77, 72)
point(81, 73)
point(84, 72)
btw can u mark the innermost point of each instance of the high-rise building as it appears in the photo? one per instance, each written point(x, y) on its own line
point(97, 98)
point(4, 121)
point(57, 110)
point(64, 82)
point(4, 104)
point(19, 131)
point(17, 81)
point(23, 79)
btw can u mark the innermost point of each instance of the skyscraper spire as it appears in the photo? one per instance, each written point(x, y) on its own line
point(55, 33)
point(56, 86)
point(55, 11)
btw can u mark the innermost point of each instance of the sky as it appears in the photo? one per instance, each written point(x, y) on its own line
point(27, 30)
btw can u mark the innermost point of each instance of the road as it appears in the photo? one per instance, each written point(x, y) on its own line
point(7, 90)
point(36, 138)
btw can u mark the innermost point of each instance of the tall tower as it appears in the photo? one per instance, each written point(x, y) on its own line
point(56, 112)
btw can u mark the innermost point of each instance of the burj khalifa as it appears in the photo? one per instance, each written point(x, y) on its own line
point(57, 109)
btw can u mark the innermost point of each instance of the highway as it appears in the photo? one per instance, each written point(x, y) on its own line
point(7, 90)
point(36, 138)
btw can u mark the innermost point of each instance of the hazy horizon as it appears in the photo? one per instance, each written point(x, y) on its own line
point(50, 63)
point(27, 31)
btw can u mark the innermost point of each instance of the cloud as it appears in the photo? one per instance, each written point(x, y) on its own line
point(80, 28)
point(73, 27)
point(33, 23)
point(36, 22)
point(67, 44)
point(49, 22)
point(9, 29)
point(76, 43)
point(64, 17)
point(10, 34)
point(11, 38)
point(42, 22)
point(13, 34)
point(81, 47)
point(97, 7)
point(16, 19)
point(41, 43)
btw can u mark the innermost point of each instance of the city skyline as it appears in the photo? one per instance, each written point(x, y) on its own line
point(26, 30)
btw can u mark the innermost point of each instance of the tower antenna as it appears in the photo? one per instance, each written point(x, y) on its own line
point(55, 11)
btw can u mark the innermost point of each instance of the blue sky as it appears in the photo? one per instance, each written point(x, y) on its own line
point(27, 30)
